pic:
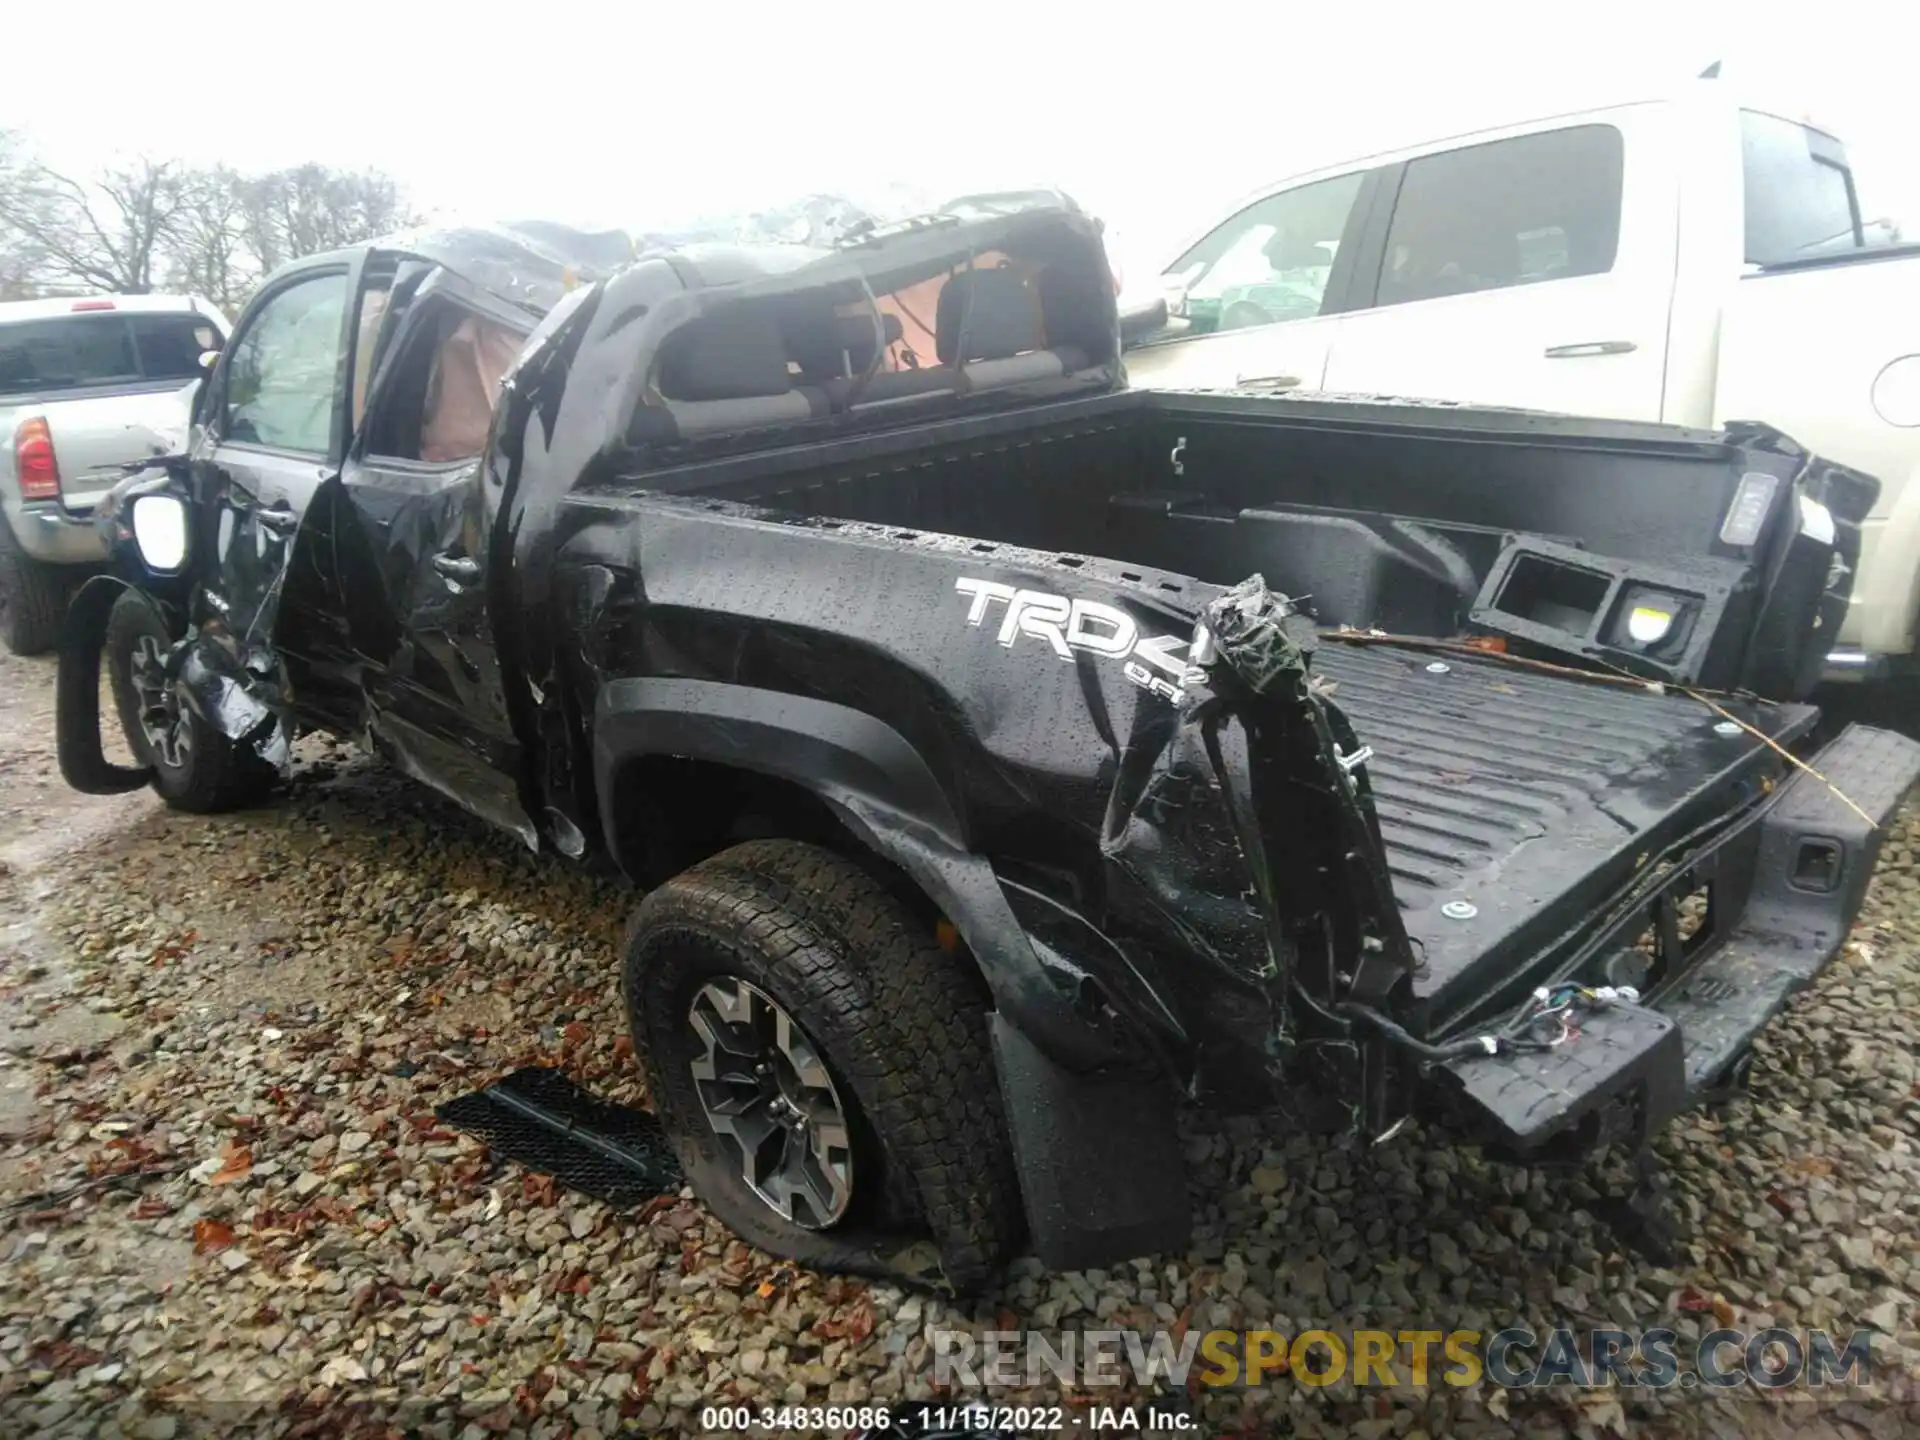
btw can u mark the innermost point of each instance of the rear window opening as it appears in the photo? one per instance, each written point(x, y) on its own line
point(879, 344)
point(91, 349)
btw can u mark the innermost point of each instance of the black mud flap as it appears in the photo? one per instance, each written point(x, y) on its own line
point(76, 697)
point(542, 1120)
point(1099, 1156)
point(538, 1118)
point(1808, 874)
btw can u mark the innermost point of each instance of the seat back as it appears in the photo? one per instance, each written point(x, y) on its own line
point(992, 326)
point(725, 371)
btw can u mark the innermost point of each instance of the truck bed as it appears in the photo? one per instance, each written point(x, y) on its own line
point(1531, 797)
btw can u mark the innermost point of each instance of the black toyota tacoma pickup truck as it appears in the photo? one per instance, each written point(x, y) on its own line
point(1009, 757)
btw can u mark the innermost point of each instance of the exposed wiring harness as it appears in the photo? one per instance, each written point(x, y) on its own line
point(1555, 1008)
point(1544, 1022)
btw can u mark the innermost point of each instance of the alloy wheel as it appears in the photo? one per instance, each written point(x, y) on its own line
point(769, 1098)
point(163, 720)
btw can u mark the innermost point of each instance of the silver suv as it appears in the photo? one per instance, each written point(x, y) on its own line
point(87, 386)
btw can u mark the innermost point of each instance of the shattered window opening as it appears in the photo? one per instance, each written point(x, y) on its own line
point(280, 381)
point(436, 404)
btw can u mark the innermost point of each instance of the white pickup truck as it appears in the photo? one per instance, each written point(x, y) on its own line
point(88, 385)
point(1686, 259)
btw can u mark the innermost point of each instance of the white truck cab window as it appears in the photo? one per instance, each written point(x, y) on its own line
point(281, 376)
point(1270, 262)
point(1799, 192)
point(1511, 212)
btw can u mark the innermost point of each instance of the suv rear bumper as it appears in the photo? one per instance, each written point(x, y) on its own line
point(55, 536)
point(1786, 885)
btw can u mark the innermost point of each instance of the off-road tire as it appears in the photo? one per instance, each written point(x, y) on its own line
point(901, 1022)
point(33, 598)
point(217, 773)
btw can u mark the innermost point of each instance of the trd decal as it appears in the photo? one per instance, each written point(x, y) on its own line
point(1069, 625)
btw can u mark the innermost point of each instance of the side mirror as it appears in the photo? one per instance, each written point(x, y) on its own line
point(1142, 320)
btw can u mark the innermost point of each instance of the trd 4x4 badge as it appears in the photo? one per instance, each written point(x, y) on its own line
point(1069, 625)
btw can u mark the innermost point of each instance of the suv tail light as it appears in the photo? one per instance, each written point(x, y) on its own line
point(33, 461)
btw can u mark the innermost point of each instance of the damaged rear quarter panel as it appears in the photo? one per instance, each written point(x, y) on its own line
point(1087, 785)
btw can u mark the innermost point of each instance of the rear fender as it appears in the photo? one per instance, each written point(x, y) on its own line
point(885, 795)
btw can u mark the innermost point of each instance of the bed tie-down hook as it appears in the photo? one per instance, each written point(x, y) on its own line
point(1174, 456)
point(1350, 763)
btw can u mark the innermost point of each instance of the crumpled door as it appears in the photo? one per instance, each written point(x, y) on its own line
point(412, 552)
point(273, 434)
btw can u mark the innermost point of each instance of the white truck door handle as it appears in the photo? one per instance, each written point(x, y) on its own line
point(1592, 347)
point(1266, 382)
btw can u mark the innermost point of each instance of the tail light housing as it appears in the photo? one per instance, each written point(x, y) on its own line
point(33, 462)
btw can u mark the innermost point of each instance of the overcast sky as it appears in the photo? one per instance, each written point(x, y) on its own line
point(641, 116)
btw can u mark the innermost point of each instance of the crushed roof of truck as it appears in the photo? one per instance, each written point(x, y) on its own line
point(534, 263)
point(530, 263)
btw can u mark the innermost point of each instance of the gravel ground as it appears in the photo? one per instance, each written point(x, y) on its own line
point(224, 1187)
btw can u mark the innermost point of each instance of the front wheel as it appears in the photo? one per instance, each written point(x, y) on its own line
point(195, 766)
point(820, 1062)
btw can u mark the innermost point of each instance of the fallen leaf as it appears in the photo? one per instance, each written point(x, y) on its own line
point(540, 1190)
point(575, 1033)
point(236, 1164)
point(1723, 1310)
point(1693, 1302)
point(1781, 1203)
point(211, 1235)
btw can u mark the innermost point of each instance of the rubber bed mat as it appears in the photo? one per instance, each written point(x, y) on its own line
point(1521, 799)
point(539, 1118)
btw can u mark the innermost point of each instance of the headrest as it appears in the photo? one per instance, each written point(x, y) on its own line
point(825, 344)
point(732, 355)
point(1286, 251)
point(998, 311)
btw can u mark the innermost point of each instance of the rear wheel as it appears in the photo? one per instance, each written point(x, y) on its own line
point(195, 766)
point(33, 597)
point(821, 1063)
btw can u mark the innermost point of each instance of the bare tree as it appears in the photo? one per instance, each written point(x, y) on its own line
point(105, 234)
point(19, 257)
point(207, 251)
point(213, 231)
point(308, 209)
